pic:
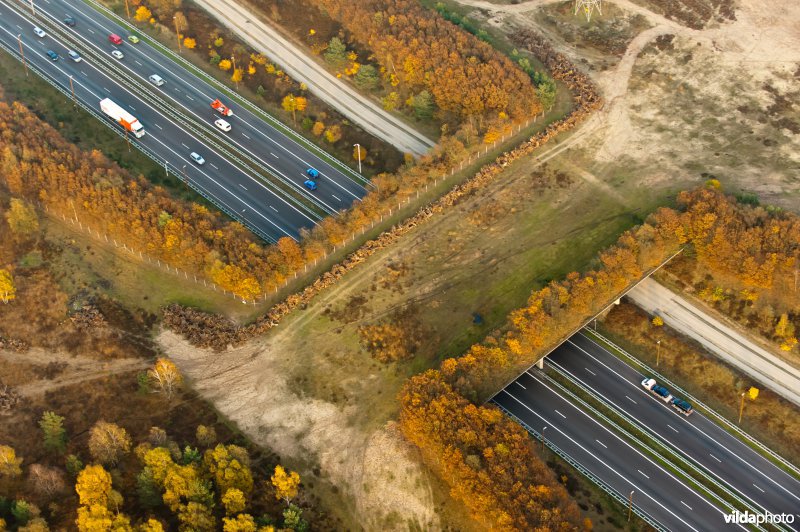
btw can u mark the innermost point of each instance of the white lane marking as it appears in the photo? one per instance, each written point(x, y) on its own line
point(90, 30)
point(560, 414)
point(520, 385)
point(84, 73)
point(631, 400)
point(241, 185)
point(335, 197)
point(245, 136)
point(184, 145)
point(273, 208)
point(274, 155)
point(159, 127)
point(190, 97)
point(645, 476)
point(137, 62)
point(715, 458)
point(132, 107)
point(673, 428)
point(177, 89)
point(105, 89)
point(759, 489)
point(601, 443)
point(590, 371)
point(214, 165)
point(683, 503)
point(17, 25)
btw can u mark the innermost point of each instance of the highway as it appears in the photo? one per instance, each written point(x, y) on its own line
point(235, 185)
point(658, 493)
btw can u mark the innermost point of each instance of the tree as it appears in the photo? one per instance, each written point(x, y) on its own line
point(98, 518)
point(21, 218)
point(165, 377)
point(237, 75)
point(289, 105)
point(658, 321)
point(55, 435)
point(190, 44)
point(359, 153)
point(10, 463)
point(23, 511)
point(151, 525)
point(784, 328)
point(292, 517)
point(196, 517)
point(37, 524)
point(234, 501)
point(46, 480)
point(318, 129)
point(108, 442)
point(181, 23)
point(286, 484)
point(241, 523)
point(367, 77)
point(333, 133)
point(225, 64)
point(94, 486)
point(422, 104)
point(336, 53)
point(230, 468)
point(391, 101)
point(73, 464)
point(207, 436)
point(143, 14)
point(8, 291)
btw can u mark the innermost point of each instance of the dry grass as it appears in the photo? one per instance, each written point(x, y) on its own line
point(773, 420)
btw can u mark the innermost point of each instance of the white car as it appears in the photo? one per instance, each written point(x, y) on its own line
point(156, 80)
point(222, 124)
point(39, 32)
point(117, 54)
point(75, 56)
point(196, 157)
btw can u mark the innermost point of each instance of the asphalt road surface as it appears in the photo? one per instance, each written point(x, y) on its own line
point(667, 499)
point(358, 108)
point(722, 340)
point(726, 457)
point(270, 211)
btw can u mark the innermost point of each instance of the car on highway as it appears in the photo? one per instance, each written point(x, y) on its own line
point(117, 54)
point(75, 56)
point(69, 20)
point(682, 406)
point(310, 185)
point(222, 124)
point(115, 39)
point(196, 157)
point(659, 391)
point(156, 80)
point(133, 38)
point(52, 55)
point(313, 173)
point(39, 32)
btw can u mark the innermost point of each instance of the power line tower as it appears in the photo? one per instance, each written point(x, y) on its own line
point(589, 7)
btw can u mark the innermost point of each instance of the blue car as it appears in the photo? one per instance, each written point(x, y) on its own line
point(310, 185)
point(52, 55)
point(313, 173)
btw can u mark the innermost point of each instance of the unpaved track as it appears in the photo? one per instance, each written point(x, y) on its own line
point(335, 92)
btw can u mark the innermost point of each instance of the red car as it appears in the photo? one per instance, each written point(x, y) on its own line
point(115, 39)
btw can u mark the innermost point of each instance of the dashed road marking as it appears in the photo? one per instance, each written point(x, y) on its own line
point(520, 385)
point(214, 165)
point(715, 458)
point(673, 428)
point(137, 62)
point(84, 73)
point(90, 30)
point(17, 25)
point(631, 400)
point(132, 107)
point(273, 208)
point(560, 414)
point(759, 489)
point(190, 97)
point(335, 197)
point(184, 145)
point(159, 127)
point(273, 155)
point(683, 503)
point(245, 136)
point(105, 89)
point(601, 443)
point(645, 476)
point(590, 371)
point(241, 185)
point(177, 89)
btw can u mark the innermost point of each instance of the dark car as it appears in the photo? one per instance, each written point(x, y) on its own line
point(69, 21)
point(682, 406)
point(662, 392)
point(52, 55)
point(313, 173)
point(310, 185)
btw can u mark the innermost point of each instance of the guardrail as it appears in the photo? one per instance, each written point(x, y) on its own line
point(190, 124)
point(288, 132)
point(132, 139)
point(696, 402)
point(613, 493)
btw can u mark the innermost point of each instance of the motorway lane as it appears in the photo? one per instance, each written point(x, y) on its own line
point(236, 191)
point(696, 436)
point(192, 95)
point(657, 492)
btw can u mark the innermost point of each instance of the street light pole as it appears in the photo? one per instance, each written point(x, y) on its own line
point(177, 34)
point(72, 89)
point(358, 147)
point(127, 9)
point(741, 408)
point(543, 429)
point(33, 11)
point(630, 505)
point(658, 351)
point(22, 53)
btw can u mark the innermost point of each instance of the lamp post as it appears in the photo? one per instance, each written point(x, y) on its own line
point(543, 429)
point(72, 89)
point(741, 408)
point(658, 351)
point(127, 9)
point(630, 505)
point(22, 53)
point(358, 147)
point(177, 34)
point(233, 61)
point(33, 11)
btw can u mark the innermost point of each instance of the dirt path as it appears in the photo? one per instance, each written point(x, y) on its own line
point(369, 115)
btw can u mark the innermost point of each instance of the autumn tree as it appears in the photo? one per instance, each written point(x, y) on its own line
point(10, 463)
point(8, 291)
point(422, 104)
point(333, 134)
point(359, 153)
point(240, 523)
point(143, 14)
point(225, 64)
point(318, 128)
point(46, 480)
point(196, 517)
point(53, 431)
point(234, 501)
point(237, 75)
point(98, 518)
point(189, 43)
point(108, 442)
point(286, 484)
point(94, 486)
point(165, 377)
point(657, 321)
point(230, 467)
point(206, 436)
point(21, 218)
point(289, 104)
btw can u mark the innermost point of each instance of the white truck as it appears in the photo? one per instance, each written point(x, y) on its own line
point(122, 117)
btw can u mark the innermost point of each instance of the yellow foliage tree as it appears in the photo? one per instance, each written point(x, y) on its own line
point(333, 133)
point(181, 483)
point(143, 14)
point(359, 153)
point(165, 377)
point(234, 501)
point(160, 462)
point(237, 75)
point(97, 518)
point(196, 517)
point(286, 483)
point(228, 464)
point(225, 64)
point(94, 486)
point(251, 69)
point(301, 103)
point(7, 289)
point(318, 129)
point(658, 321)
point(241, 523)
point(21, 218)
point(151, 525)
point(108, 442)
point(190, 44)
point(10, 463)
